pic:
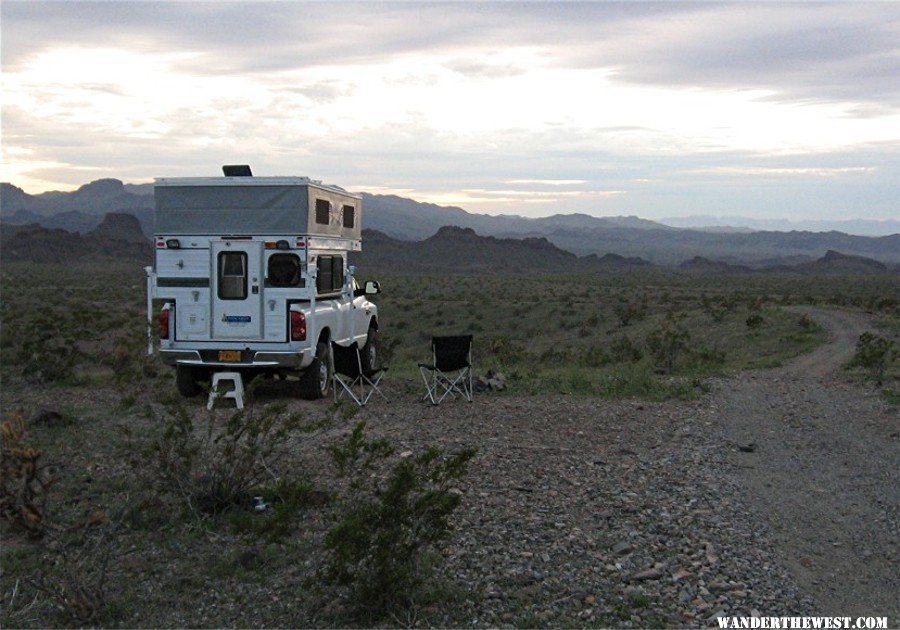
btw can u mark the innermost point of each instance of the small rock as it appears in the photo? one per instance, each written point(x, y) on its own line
point(680, 574)
point(590, 600)
point(621, 548)
point(647, 574)
point(719, 612)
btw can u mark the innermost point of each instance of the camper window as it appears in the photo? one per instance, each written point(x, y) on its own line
point(349, 213)
point(323, 211)
point(232, 276)
point(283, 270)
point(330, 274)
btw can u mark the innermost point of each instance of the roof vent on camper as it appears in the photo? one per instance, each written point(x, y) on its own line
point(237, 170)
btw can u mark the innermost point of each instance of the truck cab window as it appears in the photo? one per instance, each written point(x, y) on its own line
point(232, 276)
point(284, 270)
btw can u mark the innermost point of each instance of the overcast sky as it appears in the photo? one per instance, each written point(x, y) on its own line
point(758, 109)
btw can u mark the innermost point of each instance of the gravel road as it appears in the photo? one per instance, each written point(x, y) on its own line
point(824, 475)
point(775, 494)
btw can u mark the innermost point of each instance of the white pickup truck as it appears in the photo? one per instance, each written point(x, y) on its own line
point(254, 277)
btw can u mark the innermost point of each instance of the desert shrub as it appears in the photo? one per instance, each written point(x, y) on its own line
point(667, 343)
point(624, 349)
point(505, 350)
point(709, 355)
point(632, 311)
point(807, 323)
point(595, 356)
point(217, 466)
point(874, 354)
point(388, 524)
point(25, 480)
point(754, 321)
point(51, 356)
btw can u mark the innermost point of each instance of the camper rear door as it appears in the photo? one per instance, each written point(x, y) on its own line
point(237, 282)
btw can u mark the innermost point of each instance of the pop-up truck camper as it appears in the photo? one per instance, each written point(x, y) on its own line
point(254, 277)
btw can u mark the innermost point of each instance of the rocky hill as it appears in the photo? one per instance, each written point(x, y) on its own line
point(117, 239)
point(461, 250)
point(836, 263)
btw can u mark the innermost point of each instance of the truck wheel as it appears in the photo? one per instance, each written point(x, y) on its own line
point(316, 379)
point(186, 381)
point(371, 352)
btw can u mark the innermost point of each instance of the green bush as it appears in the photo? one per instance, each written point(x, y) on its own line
point(215, 467)
point(874, 354)
point(388, 524)
point(629, 312)
point(668, 343)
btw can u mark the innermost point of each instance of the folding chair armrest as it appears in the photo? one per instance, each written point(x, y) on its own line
point(427, 367)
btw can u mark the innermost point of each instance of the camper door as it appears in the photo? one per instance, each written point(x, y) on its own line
point(236, 294)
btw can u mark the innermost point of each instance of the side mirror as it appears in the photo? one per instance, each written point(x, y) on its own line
point(372, 287)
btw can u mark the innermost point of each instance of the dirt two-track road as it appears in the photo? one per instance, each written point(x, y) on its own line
point(824, 472)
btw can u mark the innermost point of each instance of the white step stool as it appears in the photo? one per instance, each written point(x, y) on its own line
point(237, 394)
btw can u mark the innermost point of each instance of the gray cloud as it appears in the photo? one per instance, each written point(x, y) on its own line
point(830, 51)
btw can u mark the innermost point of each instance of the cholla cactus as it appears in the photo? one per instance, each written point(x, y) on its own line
point(24, 480)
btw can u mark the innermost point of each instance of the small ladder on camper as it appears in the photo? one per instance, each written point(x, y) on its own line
point(236, 394)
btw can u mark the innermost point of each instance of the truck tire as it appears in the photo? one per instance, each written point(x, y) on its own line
point(186, 381)
point(371, 352)
point(316, 379)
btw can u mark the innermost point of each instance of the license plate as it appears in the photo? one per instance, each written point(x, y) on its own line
point(229, 355)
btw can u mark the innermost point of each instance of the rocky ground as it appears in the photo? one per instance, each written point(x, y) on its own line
point(774, 494)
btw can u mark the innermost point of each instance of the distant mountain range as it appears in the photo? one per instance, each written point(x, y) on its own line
point(407, 220)
point(118, 238)
point(860, 227)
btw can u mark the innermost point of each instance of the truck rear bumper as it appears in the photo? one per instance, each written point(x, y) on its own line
point(261, 359)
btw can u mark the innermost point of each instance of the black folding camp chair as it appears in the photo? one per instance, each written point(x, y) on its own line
point(351, 379)
point(451, 369)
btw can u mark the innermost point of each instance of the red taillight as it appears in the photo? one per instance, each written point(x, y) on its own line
point(164, 323)
point(298, 326)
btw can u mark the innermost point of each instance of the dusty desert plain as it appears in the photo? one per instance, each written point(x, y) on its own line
point(669, 447)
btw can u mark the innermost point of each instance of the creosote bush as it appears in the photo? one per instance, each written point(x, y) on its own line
point(668, 343)
point(388, 522)
point(629, 312)
point(216, 466)
point(874, 354)
point(754, 321)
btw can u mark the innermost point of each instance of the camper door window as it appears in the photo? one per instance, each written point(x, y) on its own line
point(232, 276)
